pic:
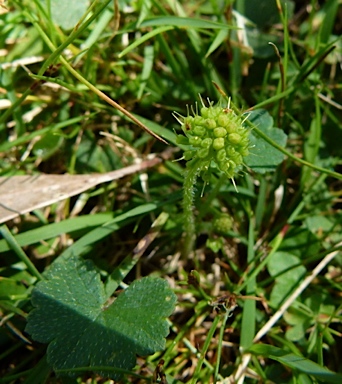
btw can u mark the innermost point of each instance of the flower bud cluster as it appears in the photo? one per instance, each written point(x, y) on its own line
point(222, 224)
point(216, 134)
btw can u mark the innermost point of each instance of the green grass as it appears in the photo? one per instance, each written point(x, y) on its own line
point(97, 97)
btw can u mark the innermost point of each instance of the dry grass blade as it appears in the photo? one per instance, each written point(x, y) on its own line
point(22, 194)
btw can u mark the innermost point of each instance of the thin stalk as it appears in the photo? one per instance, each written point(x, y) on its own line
point(190, 177)
point(205, 349)
point(249, 308)
point(212, 195)
point(219, 346)
point(7, 235)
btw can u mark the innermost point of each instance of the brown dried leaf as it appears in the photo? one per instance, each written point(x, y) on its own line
point(22, 194)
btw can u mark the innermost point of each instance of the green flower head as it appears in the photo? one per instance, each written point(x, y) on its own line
point(216, 135)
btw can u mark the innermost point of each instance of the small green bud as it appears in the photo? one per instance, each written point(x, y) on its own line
point(224, 166)
point(223, 119)
point(204, 112)
point(220, 132)
point(230, 151)
point(222, 224)
point(234, 138)
point(203, 153)
point(214, 112)
point(188, 155)
point(218, 143)
point(237, 158)
point(189, 120)
point(231, 164)
point(206, 143)
point(210, 123)
point(195, 141)
point(231, 127)
point(199, 130)
point(198, 120)
point(221, 156)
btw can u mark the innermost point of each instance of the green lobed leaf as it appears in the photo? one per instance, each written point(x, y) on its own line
point(287, 270)
point(301, 242)
point(263, 156)
point(83, 330)
point(296, 362)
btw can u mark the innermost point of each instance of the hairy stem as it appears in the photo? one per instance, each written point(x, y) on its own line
point(190, 177)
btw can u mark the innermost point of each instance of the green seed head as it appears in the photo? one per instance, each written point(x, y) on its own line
point(222, 224)
point(217, 135)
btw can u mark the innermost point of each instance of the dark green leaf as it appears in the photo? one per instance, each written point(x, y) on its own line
point(84, 331)
point(296, 362)
point(263, 156)
point(287, 270)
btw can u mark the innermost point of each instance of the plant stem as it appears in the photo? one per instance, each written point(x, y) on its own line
point(190, 177)
point(206, 345)
point(7, 235)
point(219, 345)
point(326, 171)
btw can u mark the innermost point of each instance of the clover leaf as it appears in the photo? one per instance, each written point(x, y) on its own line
point(71, 314)
point(263, 156)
